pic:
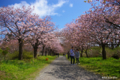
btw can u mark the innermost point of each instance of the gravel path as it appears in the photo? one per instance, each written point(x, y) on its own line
point(60, 69)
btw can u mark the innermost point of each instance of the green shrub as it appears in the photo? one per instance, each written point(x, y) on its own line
point(94, 52)
point(26, 55)
point(115, 56)
point(1, 50)
point(109, 52)
point(117, 51)
point(12, 56)
point(112, 52)
point(1, 54)
point(4, 52)
point(97, 52)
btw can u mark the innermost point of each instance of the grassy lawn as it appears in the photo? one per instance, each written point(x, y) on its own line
point(23, 70)
point(109, 67)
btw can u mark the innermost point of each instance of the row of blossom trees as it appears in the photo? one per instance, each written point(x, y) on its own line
point(24, 26)
point(99, 25)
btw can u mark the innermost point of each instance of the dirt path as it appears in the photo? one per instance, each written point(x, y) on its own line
point(60, 69)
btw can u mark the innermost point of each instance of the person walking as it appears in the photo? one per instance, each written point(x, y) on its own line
point(77, 55)
point(72, 56)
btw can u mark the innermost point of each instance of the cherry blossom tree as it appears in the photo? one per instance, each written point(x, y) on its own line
point(76, 36)
point(98, 25)
point(17, 22)
point(99, 30)
point(57, 46)
point(113, 2)
point(39, 34)
point(110, 10)
point(53, 44)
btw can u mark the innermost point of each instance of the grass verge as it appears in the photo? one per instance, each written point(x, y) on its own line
point(109, 67)
point(23, 69)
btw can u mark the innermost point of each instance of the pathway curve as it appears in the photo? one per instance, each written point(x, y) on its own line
point(60, 69)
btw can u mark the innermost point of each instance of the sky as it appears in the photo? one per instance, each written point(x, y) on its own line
point(61, 11)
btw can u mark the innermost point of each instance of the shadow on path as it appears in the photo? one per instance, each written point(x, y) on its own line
point(63, 70)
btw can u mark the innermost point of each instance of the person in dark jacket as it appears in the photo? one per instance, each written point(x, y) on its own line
point(72, 55)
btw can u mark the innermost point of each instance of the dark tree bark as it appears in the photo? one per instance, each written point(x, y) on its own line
point(35, 48)
point(47, 51)
point(86, 52)
point(43, 50)
point(81, 52)
point(112, 45)
point(103, 51)
point(35, 51)
point(50, 52)
point(118, 44)
point(20, 48)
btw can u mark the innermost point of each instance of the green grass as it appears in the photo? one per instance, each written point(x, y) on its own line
point(26, 69)
point(109, 67)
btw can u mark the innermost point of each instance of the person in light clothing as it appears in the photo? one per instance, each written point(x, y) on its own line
point(77, 55)
point(72, 55)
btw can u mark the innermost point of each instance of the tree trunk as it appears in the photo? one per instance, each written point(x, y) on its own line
point(112, 45)
point(50, 52)
point(20, 49)
point(81, 53)
point(86, 53)
point(118, 44)
point(103, 51)
point(43, 50)
point(35, 51)
point(45, 53)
